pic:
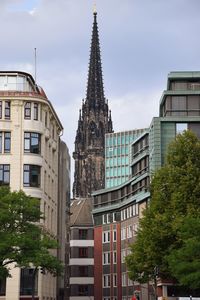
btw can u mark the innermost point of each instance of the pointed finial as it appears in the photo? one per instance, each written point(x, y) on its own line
point(95, 9)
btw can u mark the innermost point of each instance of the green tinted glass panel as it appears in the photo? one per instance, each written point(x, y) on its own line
point(123, 160)
point(118, 140)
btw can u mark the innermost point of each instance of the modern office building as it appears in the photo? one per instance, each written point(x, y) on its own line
point(179, 110)
point(117, 156)
point(116, 213)
point(94, 121)
point(29, 147)
point(81, 250)
point(117, 210)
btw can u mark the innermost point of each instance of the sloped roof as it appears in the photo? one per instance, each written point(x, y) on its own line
point(81, 212)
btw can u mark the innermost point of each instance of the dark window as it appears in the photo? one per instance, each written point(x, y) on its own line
point(0, 109)
point(83, 234)
point(83, 252)
point(7, 109)
point(5, 142)
point(114, 235)
point(27, 110)
point(32, 142)
point(35, 111)
point(83, 271)
point(195, 127)
point(83, 290)
point(26, 282)
point(2, 287)
point(4, 174)
point(178, 105)
point(32, 175)
point(7, 137)
point(45, 120)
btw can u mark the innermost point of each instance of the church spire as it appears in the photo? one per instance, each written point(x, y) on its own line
point(95, 92)
point(94, 122)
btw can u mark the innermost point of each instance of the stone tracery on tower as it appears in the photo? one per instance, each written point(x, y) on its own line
point(94, 121)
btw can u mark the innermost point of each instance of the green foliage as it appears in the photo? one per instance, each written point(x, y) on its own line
point(163, 239)
point(184, 262)
point(22, 239)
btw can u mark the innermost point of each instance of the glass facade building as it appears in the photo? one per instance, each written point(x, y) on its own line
point(117, 156)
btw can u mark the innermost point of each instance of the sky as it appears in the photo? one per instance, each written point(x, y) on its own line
point(141, 42)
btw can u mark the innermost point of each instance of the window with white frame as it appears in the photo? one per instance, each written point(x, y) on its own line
point(4, 174)
point(136, 209)
point(135, 228)
point(122, 216)
point(5, 142)
point(106, 281)
point(114, 257)
point(129, 232)
point(114, 235)
point(114, 217)
point(104, 219)
point(128, 251)
point(108, 218)
point(130, 282)
point(7, 110)
point(123, 255)
point(32, 175)
point(123, 233)
point(106, 236)
point(130, 211)
point(123, 279)
point(35, 111)
point(127, 212)
point(114, 280)
point(106, 258)
point(32, 142)
point(27, 110)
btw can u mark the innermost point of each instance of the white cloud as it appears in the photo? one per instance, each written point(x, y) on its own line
point(141, 42)
point(134, 110)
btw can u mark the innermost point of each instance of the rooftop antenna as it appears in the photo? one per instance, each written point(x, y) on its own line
point(35, 50)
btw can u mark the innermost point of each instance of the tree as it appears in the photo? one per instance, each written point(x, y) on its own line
point(23, 240)
point(175, 195)
point(184, 262)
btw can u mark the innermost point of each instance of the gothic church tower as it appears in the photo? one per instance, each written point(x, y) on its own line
point(94, 121)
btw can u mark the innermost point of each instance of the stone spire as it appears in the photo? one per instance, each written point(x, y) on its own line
point(95, 92)
point(94, 121)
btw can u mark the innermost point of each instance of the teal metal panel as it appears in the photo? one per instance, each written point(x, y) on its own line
point(168, 133)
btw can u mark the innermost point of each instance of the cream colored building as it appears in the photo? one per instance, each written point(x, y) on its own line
point(29, 143)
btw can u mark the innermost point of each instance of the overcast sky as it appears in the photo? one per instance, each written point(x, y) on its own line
point(141, 42)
